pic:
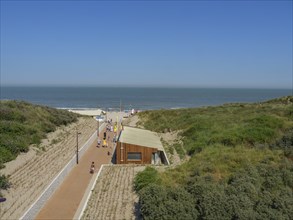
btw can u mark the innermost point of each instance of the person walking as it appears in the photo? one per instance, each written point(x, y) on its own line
point(92, 169)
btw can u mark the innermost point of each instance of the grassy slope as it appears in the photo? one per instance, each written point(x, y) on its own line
point(230, 124)
point(23, 124)
point(230, 132)
point(231, 146)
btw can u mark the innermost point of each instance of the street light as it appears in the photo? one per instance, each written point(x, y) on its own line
point(107, 109)
point(98, 122)
point(77, 133)
point(98, 130)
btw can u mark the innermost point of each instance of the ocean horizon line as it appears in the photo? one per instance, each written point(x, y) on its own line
point(144, 87)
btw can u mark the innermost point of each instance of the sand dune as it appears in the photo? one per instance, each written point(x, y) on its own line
point(31, 173)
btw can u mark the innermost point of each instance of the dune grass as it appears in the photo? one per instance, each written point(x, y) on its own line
point(23, 124)
point(229, 125)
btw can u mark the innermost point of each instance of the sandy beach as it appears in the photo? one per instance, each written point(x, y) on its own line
point(88, 112)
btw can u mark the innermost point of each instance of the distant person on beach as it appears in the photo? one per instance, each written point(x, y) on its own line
point(99, 142)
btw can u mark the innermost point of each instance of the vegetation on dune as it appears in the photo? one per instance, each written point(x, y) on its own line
point(4, 183)
point(149, 176)
point(240, 166)
point(23, 124)
point(230, 124)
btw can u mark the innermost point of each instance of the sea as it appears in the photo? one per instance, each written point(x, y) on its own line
point(143, 98)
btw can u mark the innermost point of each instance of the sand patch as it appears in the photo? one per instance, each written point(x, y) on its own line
point(120, 116)
point(88, 112)
point(168, 140)
point(131, 121)
point(20, 161)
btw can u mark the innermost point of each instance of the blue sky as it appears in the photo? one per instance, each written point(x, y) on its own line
point(238, 44)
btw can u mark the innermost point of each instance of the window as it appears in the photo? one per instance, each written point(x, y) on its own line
point(133, 156)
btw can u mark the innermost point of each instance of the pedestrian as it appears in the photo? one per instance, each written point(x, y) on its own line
point(92, 169)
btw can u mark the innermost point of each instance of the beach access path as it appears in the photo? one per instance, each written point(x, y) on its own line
point(65, 201)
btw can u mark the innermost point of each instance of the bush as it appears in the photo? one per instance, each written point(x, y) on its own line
point(4, 183)
point(285, 143)
point(159, 202)
point(148, 176)
point(179, 150)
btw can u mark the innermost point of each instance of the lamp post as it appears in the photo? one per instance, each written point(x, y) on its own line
point(77, 133)
point(98, 130)
point(98, 123)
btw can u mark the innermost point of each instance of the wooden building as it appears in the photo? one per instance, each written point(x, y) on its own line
point(139, 146)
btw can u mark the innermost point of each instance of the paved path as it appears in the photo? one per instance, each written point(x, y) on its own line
point(65, 201)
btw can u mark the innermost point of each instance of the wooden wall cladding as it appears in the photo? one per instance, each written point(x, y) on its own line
point(122, 150)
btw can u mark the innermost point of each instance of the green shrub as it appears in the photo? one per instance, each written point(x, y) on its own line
point(4, 183)
point(148, 176)
point(159, 202)
point(179, 150)
point(285, 143)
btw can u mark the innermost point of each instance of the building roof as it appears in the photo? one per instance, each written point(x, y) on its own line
point(140, 137)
